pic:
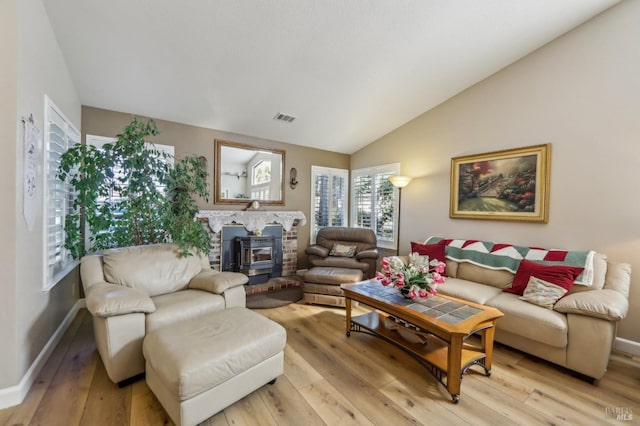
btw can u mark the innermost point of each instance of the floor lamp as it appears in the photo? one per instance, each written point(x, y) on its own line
point(399, 182)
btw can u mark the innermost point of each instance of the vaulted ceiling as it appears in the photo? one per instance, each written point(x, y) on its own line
point(349, 71)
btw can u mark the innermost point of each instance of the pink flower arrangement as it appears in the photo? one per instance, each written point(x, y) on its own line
point(413, 279)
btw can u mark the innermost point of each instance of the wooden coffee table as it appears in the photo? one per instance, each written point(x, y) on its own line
point(439, 323)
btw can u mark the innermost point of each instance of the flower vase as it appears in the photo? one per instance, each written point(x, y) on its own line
point(405, 292)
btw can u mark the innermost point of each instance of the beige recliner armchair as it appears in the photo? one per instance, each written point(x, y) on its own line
point(131, 291)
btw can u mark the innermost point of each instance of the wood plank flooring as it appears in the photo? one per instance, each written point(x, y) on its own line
point(334, 380)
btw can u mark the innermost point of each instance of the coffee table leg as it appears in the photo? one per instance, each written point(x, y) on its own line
point(347, 308)
point(487, 336)
point(454, 367)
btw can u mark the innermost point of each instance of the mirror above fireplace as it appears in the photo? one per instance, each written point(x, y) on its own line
point(245, 173)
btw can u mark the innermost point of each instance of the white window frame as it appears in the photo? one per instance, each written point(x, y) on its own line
point(99, 142)
point(63, 262)
point(390, 169)
point(260, 191)
point(331, 172)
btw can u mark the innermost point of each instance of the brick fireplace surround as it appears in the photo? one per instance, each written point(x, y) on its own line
point(253, 221)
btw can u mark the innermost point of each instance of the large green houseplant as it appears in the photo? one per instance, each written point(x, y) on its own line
point(129, 193)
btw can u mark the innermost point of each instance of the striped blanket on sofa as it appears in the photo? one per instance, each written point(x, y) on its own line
point(508, 256)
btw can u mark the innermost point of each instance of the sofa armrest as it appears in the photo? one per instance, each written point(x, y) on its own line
point(107, 300)
point(217, 282)
point(605, 304)
point(368, 254)
point(317, 250)
point(235, 296)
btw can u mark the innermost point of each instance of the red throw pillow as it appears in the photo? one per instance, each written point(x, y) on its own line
point(433, 251)
point(561, 275)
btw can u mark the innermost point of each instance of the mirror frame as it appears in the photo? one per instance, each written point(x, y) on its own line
point(217, 195)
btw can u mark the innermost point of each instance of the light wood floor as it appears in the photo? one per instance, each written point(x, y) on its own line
point(334, 380)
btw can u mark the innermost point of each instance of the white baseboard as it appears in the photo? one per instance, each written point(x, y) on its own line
point(16, 394)
point(627, 346)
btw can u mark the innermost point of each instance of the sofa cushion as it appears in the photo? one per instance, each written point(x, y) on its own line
point(561, 275)
point(451, 268)
point(155, 269)
point(530, 321)
point(599, 274)
point(618, 278)
point(542, 293)
point(493, 277)
point(182, 305)
point(468, 290)
point(340, 262)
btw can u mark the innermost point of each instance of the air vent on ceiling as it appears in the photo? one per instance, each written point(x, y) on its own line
point(284, 117)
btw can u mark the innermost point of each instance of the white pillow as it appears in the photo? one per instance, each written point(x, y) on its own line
point(543, 293)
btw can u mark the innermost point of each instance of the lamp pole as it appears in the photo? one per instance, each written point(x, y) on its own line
point(399, 182)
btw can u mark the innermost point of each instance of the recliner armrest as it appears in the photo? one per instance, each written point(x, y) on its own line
point(217, 282)
point(317, 250)
point(368, 254)
point(107, 300)
point(605, 304)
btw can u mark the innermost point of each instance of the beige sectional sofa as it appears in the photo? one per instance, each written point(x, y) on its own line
point(133, 291)
point(578, 333)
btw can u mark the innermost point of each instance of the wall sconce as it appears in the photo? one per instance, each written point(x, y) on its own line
point(399, 182)
point(203, 161)
point(293, 178)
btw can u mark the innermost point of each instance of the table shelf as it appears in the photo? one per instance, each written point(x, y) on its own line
point(435, 351)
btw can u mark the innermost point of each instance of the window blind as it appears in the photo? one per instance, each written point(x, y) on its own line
point(329, 199)
point(60, 134)
point(374, 202)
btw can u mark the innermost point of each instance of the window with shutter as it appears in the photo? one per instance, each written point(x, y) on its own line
point(374, 202)
point(59, 134)
point(329, 198)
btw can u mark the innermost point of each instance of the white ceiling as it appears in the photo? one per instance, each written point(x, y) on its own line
point(349, 70)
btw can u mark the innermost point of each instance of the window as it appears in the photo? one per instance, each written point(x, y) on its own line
point(329, 198)
point(261, 180)
point(374, 202)
point(59, 134)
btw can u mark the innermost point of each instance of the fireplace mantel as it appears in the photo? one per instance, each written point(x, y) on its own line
point(254, 220)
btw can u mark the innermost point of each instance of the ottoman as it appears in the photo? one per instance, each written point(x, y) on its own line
point(322, 284)
point(198, 367)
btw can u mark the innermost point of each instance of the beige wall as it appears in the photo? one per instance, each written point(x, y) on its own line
point(581, 93)
point(32, 66)
point(8, 127)
point(200, 141)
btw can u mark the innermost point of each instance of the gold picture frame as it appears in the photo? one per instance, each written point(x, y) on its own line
point(511, 184)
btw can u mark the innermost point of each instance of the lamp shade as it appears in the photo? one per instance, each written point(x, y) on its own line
point(400, 181)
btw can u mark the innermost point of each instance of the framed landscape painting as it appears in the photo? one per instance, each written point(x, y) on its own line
point(502, 185)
